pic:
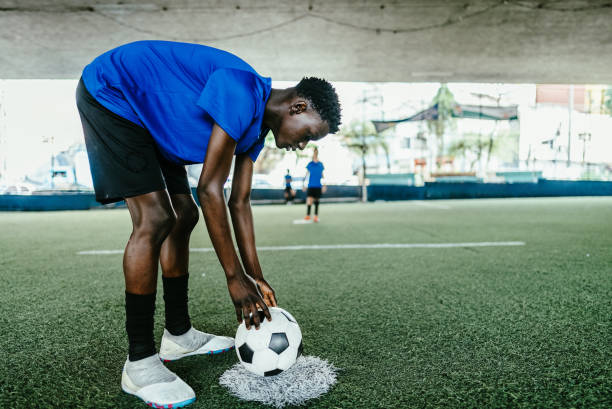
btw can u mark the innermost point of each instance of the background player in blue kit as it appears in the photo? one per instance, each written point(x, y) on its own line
point(289, 192)
point(314, 175)
point(147, 109)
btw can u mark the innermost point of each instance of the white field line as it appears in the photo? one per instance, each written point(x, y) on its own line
point(346, 246)
point(427, 204)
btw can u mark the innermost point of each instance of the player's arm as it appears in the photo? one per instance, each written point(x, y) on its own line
point(217, 164)
point(305, 181)
point(323, 185)
point(242, 219)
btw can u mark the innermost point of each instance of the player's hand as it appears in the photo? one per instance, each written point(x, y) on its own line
point(266, 292)
point(324, 189)
point(304, 189)
point(247, 300)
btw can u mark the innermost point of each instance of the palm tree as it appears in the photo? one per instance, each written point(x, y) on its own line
point(362, 138)
point(446, 102)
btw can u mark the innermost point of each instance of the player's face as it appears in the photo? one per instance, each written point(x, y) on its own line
point(300, 125)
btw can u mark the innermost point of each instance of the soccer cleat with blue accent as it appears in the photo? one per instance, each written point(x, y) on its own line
point(149, 380)
point(193, 342)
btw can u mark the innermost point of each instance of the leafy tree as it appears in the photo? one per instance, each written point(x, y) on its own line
point(472, 145)
point(362, 138)
point(469, 145)
point(608, 100)
point(306, 153)
point(269, 155)
point(446, 102)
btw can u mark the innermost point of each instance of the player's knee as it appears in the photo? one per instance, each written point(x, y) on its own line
point(187, 216)
point(156, 225)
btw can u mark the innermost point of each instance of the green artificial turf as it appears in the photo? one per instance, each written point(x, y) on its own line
point(527, 326)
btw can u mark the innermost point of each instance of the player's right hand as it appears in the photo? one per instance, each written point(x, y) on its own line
point(247, 300)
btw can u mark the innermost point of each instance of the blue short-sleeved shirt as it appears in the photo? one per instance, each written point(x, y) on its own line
point(287, 180)
point(178, 91)
point(315, 172)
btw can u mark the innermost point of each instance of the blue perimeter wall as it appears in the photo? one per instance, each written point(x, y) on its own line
point(474, 190)
point(436, 190)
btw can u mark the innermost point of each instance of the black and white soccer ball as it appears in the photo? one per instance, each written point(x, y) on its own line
point(274, 347)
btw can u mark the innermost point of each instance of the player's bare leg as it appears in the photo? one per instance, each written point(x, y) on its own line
point(174, 255)
point(309, 201)
point(152, 220)
point(180, 339)
point(144, 376)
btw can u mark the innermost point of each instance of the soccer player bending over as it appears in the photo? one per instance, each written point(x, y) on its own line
point(314, 174)
point(149, 108)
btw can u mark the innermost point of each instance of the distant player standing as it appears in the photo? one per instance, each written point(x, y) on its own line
point(289, 192)
point(314, 175)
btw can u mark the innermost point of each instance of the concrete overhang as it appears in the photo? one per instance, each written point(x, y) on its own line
point(413, 41)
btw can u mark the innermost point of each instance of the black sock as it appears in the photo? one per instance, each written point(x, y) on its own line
point(139, 310)
point(317, 208)
point(308, 210)
point(175, 297)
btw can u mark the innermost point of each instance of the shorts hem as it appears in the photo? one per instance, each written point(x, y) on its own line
point(119, 197)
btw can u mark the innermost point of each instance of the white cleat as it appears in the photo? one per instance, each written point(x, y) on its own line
point(149, 380)
point(193, 342)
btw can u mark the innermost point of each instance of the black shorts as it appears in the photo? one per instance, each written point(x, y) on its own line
point(314, 192)
point(123, 157)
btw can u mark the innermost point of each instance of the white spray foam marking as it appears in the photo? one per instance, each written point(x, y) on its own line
point(302, 221)
point(346, 246)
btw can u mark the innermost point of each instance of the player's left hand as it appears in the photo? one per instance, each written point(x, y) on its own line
point(267, 292)
point(324, 189)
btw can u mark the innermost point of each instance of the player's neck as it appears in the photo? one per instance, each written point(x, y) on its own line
point(275, 107)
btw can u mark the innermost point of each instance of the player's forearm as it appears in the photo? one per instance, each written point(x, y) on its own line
point(215, 216)
point(242, 220)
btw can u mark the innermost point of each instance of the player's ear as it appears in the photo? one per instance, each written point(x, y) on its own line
point(298, 107)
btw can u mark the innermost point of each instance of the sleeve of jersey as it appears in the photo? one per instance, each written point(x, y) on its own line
point(256, 149)
point(229, 99)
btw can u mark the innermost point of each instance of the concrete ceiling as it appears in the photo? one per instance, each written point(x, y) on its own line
point(361, 40)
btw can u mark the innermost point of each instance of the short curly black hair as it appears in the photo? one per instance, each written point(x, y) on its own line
point(323, 98)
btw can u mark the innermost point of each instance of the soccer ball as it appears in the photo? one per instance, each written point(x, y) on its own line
point(274, 347)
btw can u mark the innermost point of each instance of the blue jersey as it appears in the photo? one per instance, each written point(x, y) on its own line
point(315, 172)
point(178, 91)
point(288, 181)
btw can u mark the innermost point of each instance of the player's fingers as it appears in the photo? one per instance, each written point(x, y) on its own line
point(247, 318)
point(271, 299)
point(239, 314)
point(255, 315)
point(262, 306)
point(266, 311)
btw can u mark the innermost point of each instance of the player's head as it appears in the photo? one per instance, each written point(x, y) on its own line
point(310, 112)
point(315, 154)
